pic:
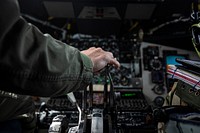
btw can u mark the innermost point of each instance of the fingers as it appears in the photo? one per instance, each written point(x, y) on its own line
point(100, 58)
point(111, 60)
point(114, 62)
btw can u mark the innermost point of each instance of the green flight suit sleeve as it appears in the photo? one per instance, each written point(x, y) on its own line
point(34, 63)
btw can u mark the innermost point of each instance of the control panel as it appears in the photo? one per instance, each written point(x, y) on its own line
point(131, 101)
point(127, 52)
point(119, 106)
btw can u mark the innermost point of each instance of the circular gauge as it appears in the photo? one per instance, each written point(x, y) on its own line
point(159, 101)
point(155, 64)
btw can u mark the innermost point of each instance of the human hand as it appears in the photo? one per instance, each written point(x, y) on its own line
point(100, 58)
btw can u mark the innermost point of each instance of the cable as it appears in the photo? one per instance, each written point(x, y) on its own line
point(72, 99)
point(80, 114)
point(151, 31)
point(111, 91)
point(42, 22)
point(46, 23)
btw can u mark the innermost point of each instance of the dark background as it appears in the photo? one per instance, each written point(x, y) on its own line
point(170, 18)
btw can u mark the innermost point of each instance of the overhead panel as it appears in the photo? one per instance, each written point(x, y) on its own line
point(139, 11)
point(59, 9)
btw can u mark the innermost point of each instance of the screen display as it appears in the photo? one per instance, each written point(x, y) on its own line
point(171, 59)
point(128, 94)
point(131, 95)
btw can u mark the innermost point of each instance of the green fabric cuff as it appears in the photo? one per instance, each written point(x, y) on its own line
point(88, 68)
point(87, 62)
